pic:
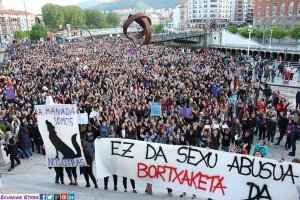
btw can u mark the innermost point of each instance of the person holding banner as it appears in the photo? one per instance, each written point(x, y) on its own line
point(88, 170)
point(104, 132)
point(89, 137)
point(59, 171)
point(171, 141)
point(72, 174)
point(128, 133)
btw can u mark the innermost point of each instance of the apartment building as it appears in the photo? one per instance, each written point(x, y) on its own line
point(284, 13)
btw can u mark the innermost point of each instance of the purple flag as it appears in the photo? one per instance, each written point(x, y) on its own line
point(132, 50)
point(185, 112)
point(10, 94)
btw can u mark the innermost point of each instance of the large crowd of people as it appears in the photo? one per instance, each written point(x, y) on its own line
point(115, 86)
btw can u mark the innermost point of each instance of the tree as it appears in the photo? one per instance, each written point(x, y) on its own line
point(277, 32)
point(295, 32)
point(158, 28)
point(257, 33)
point(74, 15)
point(233, 29)
point(113, 20)
point(38, 31)
point(95, 18)
point(20, 35)
point(53, 15)
point(244, 31)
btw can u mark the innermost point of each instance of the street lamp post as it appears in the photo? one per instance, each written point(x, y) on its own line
point(93, 45)
point(250, 31)
point(26, 15)
point(270, 42)
point(264, 29)
point(285, 52)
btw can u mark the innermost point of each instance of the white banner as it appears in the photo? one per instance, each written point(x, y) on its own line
point(59, 129)
point(204, 172)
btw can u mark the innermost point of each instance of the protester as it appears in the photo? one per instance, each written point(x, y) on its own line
point(24, 142)
point(11, 148)
point(128, 133)
point(72, 174)
point(261, 147)
point(88, 169)
point(59, 171)
point(116, 87)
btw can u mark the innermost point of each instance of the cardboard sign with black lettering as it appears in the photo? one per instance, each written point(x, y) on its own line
point(200, 171)
point(58, 125)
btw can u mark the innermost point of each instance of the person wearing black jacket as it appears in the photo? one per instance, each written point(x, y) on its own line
point(190, 137)
point(35, 135)
point(247, 140)
point(295, 134)
point(88, 170)
point(11, 148)
point(130, 134)
point(282, 124)
point(298, 99)
point(271, 129)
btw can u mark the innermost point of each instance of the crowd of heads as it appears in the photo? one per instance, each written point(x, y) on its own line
point(116, 85)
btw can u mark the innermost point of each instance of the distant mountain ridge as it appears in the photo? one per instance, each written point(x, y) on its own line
point(121, 4)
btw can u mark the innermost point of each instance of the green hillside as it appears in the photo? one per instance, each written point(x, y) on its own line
point(121, 4)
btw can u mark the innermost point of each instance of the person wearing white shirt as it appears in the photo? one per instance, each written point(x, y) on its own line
point(293, 71)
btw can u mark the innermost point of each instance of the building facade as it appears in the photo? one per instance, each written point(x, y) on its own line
point(241, 11)
point(212, 13)
point(283, 13)
point(12, 20)
point(180, 20)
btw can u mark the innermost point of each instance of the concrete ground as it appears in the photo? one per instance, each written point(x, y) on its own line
point(278, 81)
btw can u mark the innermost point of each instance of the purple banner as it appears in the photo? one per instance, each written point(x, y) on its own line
point(185, 112)
point(132, 50)
point(10, 94)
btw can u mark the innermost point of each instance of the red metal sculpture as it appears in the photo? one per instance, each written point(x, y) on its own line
point(145, 22)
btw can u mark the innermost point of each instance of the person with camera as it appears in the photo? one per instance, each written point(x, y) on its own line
point(11, 149)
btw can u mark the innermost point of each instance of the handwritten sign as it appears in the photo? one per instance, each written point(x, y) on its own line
point(200, 171)
point(58, 125)
point(156, 109)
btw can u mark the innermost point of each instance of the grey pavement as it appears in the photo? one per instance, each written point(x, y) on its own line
point(278, 81)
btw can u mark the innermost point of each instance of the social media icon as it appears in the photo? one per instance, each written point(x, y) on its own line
point(50, 197)
point(42, 196)
point(63, 196)
point(56, 196)
point(71, 197)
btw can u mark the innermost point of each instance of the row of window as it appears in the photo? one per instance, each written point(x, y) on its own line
point(274, 13)
point(291, 4)
point(279, 20)
point(211, 15)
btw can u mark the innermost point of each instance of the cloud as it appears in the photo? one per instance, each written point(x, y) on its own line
point(34, 6)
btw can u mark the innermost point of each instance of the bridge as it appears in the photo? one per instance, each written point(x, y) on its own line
point(192, 36)
point(265, 51)
point(201, 39)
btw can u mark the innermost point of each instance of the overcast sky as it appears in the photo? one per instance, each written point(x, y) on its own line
point(34, 6)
